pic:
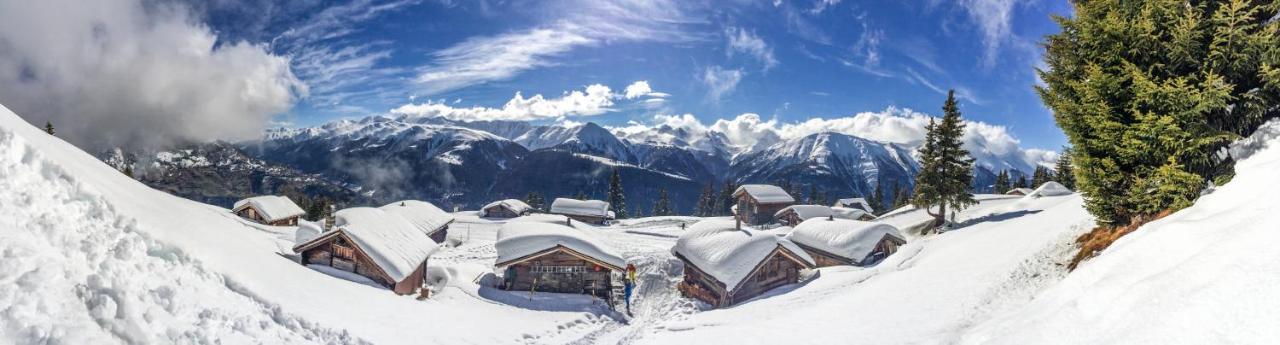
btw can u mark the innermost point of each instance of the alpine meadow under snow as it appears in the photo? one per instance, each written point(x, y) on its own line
point(92, 256)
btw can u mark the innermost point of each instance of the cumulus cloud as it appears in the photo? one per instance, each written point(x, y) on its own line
point(990, 144)
point(595, 99)
point(742, 41)
point(720, 81)
point(121, 72)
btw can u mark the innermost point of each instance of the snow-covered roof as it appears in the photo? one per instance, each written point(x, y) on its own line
point(308, 231)
point(394, 243)
point(272, 207)
point(850, 239)
point(1019, 191)
point(590, 208)
point(729, 254)
point(855, 201)
point(806, 211)
point(518, 240)
point(765, 193)
point(849, 213)
point(517, 206)
point(426, 217)
point(1050, 188)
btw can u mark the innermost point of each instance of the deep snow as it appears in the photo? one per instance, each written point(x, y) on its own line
point(88, 255)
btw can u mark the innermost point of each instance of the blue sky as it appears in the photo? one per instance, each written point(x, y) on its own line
point(789, 60)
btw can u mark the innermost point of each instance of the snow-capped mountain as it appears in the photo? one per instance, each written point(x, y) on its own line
point(588, 138)
point(839, 164)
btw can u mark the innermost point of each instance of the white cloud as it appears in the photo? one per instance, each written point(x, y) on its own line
point(746, 42)
point(121, 72)
point(994, 18)
point(822, 5)
point(638, 89)
point(594, 100)
point(868, 45)
point(720, 81)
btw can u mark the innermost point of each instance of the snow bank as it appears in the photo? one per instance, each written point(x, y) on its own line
point(589, 208)
point(1204, 275)
point(517, 206)
point(519, 239)
point(850, 239)
point(1261, 139)
point(806, 211)
point(765, 193)
point(272, 207)
point(308, 231)
point(426, 217)
point(394, 243)
point(1050, 188)
point(718, 248)
point(849, 213)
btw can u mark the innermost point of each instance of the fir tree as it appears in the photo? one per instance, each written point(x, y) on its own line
point(1040, 176)
point(535, 201)
point(662, 207)
point(706, 201)
point(1022, 182)
point(48, 127)
point(1148, 91)
point(813, 195)
point(1064, 175)
point(726, 201)
point(617, 201)
point(1002, 182)
point(581, 195)
point(945, 166)
point(877, 199)
point(901, 196)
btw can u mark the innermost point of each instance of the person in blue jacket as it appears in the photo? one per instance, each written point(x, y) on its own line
point(629, 283)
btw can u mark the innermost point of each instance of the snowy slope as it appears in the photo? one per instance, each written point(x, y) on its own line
point(1203, 275)
point(842, 164)
point(95, 257)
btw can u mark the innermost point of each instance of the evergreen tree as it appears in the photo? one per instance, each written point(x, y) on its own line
point(813, 195)
point(901, 196)
point(581, 195)
point(706, 201)
point(48, 127)
point(128, 171)
point(726, 201)
point(535, 201)
point(1002, 182)
point(877, 199)
point(1147, 91)
point(945, 166)
point(1064, 175)
point(1040, 176)
point(1022, 182)
point(617, 201)
point(662, 207)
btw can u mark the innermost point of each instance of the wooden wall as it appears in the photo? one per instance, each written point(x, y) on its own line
point(773, 272)
point(498, 211)
point(590, 279)
point(340, 253)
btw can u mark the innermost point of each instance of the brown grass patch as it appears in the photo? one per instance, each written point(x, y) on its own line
point(1094, 241)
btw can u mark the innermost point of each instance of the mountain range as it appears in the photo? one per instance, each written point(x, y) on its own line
point(467, 164)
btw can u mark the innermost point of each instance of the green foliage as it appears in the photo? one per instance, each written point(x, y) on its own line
point(877, 199)
point(1040, 176)
point(536, 201)
point(945, 166)
point(1147, 91)
point(1064, 174)
point(617, 201)
point(1022, 182)
point(48, 127)
point(1002, 184)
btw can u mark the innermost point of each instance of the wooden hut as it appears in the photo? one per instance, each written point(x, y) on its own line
point(794, 214)
point(586, 211)
point(724, 265)
point(431, 220)
point(758, 203)
point(857, 203)
point(834, 241)
point(269, 209)
point(509, 208)
point(1019, 191)
point(379, 245)
point(537, 255)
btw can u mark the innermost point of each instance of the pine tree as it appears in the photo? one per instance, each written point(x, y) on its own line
point(877, 199)
point(1040, 176)
point(726, 201)
point(1022, 182)
point(1148, 91)
point(617, 201)
point(1002, 182)
point(813, 195)
point(662, 207)
point(581, 195)
point(945, 166)
point(48, 127)
point(535, 201)
point(901, 196)
point(1064, 174)
point(705, 201)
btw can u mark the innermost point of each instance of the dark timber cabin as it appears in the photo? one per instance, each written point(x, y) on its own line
point(373, 243)
point(835, 242)
point(550, 257)
point(758, 203)
point(269, 209)
point(586, 211)
point(509, 208)
point(748, 262)
point(428, 218)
